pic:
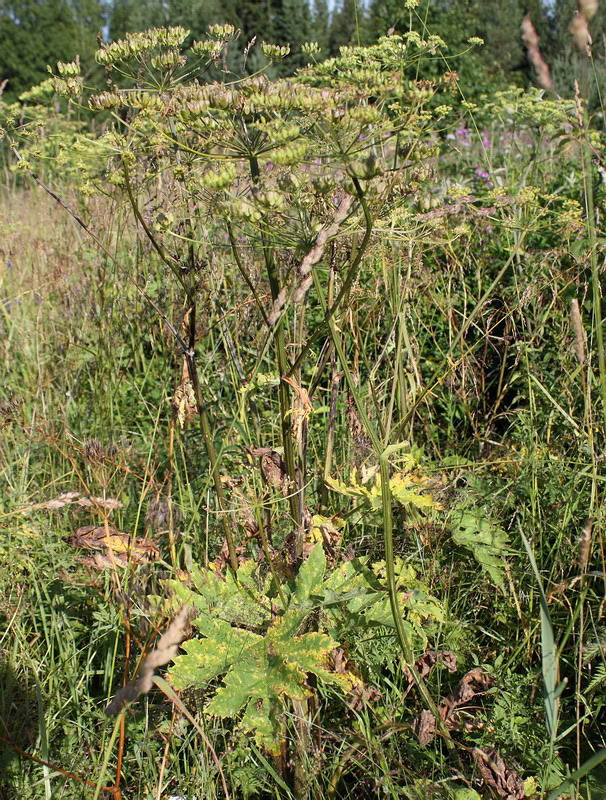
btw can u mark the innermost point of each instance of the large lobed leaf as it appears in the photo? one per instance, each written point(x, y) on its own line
point(260, 671)
point(408, 487)
point(473, 530)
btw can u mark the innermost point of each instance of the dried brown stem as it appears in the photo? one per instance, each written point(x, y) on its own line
point(164, 652)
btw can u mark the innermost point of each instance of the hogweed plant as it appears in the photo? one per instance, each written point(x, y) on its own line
point(275, 170)
point(292, 182)
point(290, 178)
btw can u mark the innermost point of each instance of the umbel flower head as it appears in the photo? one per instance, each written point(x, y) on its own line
point(137, 44)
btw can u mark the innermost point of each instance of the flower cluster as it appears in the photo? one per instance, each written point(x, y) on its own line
point(135, 45)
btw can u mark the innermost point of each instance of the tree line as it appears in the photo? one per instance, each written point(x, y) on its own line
point(34, 33)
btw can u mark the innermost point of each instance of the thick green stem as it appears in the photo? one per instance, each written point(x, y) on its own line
point(283, 366)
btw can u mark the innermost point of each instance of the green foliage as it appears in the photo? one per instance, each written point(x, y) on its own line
point(262, 671)
point(474, 530)
point(320, 29)
point(499, 62)
point(34, 34)
point(127, 16)
point(293, 278)
point(37, 34)
point(264, 650)
point(408, 487)
point(355, 601)
point(346, 25)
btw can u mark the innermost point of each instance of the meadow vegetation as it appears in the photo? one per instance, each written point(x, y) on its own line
point(303, 392)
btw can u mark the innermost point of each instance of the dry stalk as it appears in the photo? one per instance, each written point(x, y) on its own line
point(165, 651)
point(585, 544)
point(531, 41)
point(277, 308)
point(316, 252)
point(579, 27)
point(579, 334)
point(579, 30)
point(311, 259)
point(588, 8)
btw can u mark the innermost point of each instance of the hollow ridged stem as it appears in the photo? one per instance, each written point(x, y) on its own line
point(283, 365)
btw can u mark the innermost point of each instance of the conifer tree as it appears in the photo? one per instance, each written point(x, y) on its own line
point(501, 61)
point(320, 25)
point(291, 24)
point(197, 15)
point(254, 20)
point(136, 15)
point(90, 17)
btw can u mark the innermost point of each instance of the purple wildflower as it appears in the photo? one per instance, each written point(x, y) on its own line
point(463, 135)
point(483, 175)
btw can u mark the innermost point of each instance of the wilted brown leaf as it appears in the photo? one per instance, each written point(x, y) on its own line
point(328, 530)
point(497, 775)
point(114, 544)
point(184, 399)
point(424, 727)
point(297, 545)
point(222, 560)
point(361, 440)
point(184, 402)
point(360, 694)
point(273, 468)
point(473, 684)
point(428, 660)
point(301, 409)
point(101, 561)
point(302, 394)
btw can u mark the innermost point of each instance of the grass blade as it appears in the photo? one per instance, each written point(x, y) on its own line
point(549, 653)
point(591, 763)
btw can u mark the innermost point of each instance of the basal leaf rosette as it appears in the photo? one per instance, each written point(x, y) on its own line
point(234, 599)
point(260, 672)
point(263, 660)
